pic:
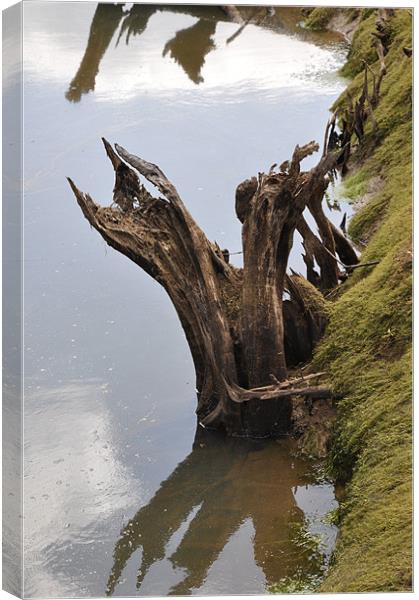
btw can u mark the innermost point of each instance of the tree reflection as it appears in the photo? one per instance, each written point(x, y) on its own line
point(104, 24)
point(136, 20)
point(188, 48)
point(198, 37)
point(226, 482)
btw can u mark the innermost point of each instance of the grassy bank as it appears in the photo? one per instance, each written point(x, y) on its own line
point(367, 347)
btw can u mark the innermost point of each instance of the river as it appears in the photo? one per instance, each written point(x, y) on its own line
point(121, 495)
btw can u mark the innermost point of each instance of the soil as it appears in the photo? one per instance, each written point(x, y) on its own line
point(312, 425)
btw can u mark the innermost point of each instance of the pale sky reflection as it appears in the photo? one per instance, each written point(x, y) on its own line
point(257, 60)
point(74, 480)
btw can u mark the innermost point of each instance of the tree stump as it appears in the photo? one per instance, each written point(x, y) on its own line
point(233, 318)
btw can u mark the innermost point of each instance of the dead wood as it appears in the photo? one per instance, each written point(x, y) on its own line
point(305, 319)
point(355, 114)
point(233, 319)
point(316, 251)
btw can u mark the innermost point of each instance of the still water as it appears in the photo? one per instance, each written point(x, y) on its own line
point(121, 496)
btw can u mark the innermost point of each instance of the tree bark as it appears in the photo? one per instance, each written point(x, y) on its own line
point(233, 318)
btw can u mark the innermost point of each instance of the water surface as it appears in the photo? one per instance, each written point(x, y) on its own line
point(121, 495)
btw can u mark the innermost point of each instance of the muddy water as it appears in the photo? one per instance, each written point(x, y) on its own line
point(121, 496)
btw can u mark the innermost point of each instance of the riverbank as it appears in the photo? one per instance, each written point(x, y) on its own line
point(367, 346)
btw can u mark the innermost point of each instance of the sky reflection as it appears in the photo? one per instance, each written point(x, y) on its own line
point(199, 54)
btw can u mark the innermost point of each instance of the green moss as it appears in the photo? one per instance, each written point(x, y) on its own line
point(231, 295)
point(355, 185)
point(361, 47)
point(320, 17)
point(313, 299)
point(366, 12)
point(374, 549)
point(367, 347)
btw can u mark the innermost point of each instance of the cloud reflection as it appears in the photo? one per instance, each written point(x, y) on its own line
point(74, 481)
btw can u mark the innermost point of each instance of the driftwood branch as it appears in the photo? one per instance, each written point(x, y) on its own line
point(240, 395)
point(355, 266)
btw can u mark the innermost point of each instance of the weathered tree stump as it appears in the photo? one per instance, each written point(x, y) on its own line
point(233, 318)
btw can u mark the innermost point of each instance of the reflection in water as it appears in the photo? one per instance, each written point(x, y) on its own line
point(135, 22)
point(257, 16)
point(104, 24)
point(197, 37)
point(74, 482)
point(188, 48)
point(218, 487)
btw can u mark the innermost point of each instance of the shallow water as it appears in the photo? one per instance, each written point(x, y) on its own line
point(118, 496)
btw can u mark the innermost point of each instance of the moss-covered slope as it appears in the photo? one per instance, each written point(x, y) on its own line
point(367, 348)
